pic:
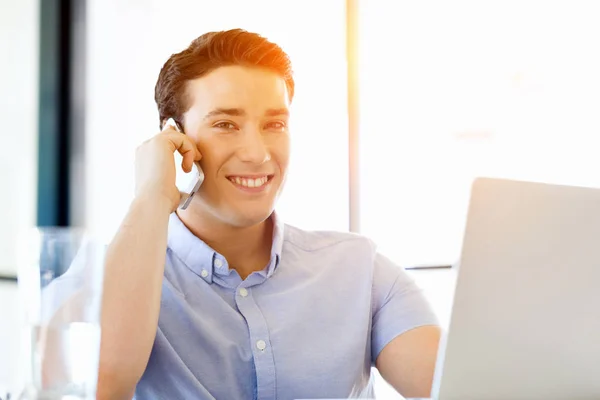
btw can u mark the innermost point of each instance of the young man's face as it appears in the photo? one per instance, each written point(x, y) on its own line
point(238, 117)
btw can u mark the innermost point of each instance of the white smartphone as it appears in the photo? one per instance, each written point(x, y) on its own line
point(188, 183)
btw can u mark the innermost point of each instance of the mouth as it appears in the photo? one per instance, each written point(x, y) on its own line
point(254, 183)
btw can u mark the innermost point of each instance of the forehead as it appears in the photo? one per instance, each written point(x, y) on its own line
point(249, 88)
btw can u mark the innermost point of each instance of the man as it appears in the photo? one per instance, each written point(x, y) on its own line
point(224, 301)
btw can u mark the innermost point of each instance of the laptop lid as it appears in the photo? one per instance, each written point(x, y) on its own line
point(525, 321)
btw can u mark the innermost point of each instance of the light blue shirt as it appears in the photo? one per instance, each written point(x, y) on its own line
point(310, 325)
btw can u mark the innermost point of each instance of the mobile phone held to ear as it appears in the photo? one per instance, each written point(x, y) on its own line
point(188, 183)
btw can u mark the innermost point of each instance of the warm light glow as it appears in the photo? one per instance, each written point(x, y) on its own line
point(464, 89)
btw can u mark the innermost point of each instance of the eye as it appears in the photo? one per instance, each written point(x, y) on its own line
point(276, 126)
point(226, 125)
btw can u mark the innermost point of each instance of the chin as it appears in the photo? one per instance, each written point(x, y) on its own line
point(236, 212)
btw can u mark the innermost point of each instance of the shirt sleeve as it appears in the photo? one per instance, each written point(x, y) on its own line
point(399, 305)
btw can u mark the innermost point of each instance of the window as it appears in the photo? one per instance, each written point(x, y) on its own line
point(464, 89)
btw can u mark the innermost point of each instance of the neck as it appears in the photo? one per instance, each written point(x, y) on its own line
point(246, 249)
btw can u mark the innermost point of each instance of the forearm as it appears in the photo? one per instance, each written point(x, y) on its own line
point(134, 271)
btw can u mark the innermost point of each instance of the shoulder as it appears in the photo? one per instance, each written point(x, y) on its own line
point(337, 262)
point(344, 251)
point(315, 241)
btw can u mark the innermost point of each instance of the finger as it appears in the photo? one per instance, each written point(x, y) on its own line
point(189, 156)
point(185, 165)
point(169, 126)
point(198, 155)
point(185, 146)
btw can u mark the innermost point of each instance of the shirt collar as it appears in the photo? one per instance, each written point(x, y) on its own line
point(205, 261)
point(277, 247)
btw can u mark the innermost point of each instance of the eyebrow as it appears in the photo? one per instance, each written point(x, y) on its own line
point(238, 112)
point(276, 112)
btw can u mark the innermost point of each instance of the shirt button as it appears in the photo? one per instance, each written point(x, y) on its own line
point(243, 292)
point(261, 345)
point(204, 273)
point(218, 263)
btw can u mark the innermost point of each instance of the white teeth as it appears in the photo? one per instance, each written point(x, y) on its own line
point(252, 183)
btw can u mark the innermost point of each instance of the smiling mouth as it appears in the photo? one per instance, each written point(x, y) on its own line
point(256, 182)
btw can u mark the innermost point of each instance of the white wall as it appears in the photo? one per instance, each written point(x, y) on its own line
point(18, 161)
point(10, 365)
point(18, 122)
point(130, 41)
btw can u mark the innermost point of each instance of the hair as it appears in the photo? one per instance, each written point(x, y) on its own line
point(209, 52)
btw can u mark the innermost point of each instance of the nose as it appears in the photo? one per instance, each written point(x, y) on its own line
point(253, 148)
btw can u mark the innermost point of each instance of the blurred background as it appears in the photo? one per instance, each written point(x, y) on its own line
point(399, 105)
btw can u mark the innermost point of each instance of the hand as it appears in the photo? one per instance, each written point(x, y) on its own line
point(155, 165)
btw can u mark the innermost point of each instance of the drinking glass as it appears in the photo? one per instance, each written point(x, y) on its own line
point(60, 285)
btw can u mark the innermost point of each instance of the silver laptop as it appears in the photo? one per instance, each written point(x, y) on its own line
point(525, 321)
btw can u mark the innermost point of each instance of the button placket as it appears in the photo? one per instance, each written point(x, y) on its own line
point(259, 341)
